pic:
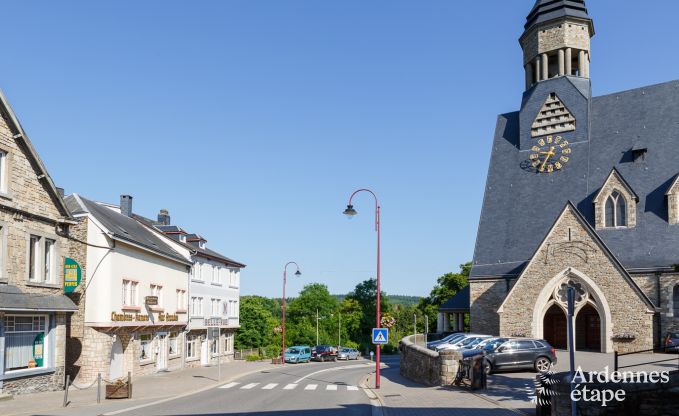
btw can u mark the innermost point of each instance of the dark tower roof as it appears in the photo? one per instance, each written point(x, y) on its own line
point(547, 10)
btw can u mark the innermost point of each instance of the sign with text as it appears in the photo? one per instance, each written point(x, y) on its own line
point(213, 322)
point(151, 300)
point(72, 274)
point(380, 336)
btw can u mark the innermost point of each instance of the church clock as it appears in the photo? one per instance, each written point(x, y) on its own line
point(550, 154)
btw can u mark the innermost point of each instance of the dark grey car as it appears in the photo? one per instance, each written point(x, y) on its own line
point(520, 353)
point(672, 342)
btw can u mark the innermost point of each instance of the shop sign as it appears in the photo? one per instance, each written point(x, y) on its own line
point(168, 317)
point(212, 322)
point(151, 300)
point(128, 317)
point(38, 349)
point(72, 274)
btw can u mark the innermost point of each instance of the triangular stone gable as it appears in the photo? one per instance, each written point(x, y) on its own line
point(615, 182)
point(552, 118)
point(29, 187)
point(672, 195)
point(674, 186)
point(572, 248)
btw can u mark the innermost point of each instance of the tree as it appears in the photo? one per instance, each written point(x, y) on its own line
point(365, 293)
point(256, 323)
point(446, 287)
point(302, 311)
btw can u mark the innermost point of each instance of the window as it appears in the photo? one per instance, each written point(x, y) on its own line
point(181, 300)
point(157, 290)
point(49, 258)
point(199, 302)
point(215, 307)
point(233, 277)
point(616, 211)
point(198, 271)
point(225, 308)
point(214, 343)
point(215, 274)
point(130, 293)
point(227, 342)
point(172, 344)
point(191, 346)
point(3, 172)
point(675, 297)
point(41, 259)
point(25, 338)
point(33, 249)
point(145, 347)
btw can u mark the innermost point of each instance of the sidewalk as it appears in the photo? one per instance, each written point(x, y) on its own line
point(146, 389)
point(402, 397)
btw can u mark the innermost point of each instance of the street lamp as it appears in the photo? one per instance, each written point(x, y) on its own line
point(350, 212)
point(297, 273)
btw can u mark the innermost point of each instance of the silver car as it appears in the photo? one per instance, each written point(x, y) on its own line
point(466, 343)
point(348, 354)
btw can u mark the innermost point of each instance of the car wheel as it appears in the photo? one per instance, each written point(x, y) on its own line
point(542, 364)
point(487, 367)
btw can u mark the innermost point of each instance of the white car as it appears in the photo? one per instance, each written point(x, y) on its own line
point(469, 342)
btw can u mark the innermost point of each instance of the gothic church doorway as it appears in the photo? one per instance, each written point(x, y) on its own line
point(555, 327)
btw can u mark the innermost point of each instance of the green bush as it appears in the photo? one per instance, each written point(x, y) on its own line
point(389, 349)
point(350, 344)
point(253, 357)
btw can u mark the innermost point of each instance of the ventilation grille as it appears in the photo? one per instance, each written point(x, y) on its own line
point(553, 118)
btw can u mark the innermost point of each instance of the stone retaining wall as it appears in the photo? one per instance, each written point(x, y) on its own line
point(425, 366)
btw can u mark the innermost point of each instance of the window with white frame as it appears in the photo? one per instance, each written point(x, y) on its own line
point(3, 244)
point(228, 342)
point(157, 290)
point(42, 259)
point(198, 270)
point(145, 351)
point(225, 309)
point(4, 180)
point(25, 341)
point(233, 277)
point(181, 300)
point(130, 293)
point(191, 346)
point(200, 306)
point(215, 307)
point(214, 345)
point(173, 346)
point(215, 274)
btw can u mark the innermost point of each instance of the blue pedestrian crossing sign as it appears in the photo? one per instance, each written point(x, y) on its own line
point(380, 335)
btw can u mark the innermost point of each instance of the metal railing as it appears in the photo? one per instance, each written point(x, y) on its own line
point(617, 355)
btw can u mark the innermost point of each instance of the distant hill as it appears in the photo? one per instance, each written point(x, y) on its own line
point(393, 299)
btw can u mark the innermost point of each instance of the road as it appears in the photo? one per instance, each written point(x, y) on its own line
point(314, 389)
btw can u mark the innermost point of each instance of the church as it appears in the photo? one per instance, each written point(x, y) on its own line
point(581, 191)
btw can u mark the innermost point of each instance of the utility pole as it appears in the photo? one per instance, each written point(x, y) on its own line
point(339, 332)
point(426, 328)
point(317, 318)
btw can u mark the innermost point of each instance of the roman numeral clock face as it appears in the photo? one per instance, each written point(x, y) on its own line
point(550, 154)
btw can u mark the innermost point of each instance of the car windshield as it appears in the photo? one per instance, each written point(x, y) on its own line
point(469, 341)
point(492, 345)
point(674, 335)
point(346, 350)
point(292, 351)
point(476, 341)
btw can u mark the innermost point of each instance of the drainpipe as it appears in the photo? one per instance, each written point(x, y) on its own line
point(657, 315)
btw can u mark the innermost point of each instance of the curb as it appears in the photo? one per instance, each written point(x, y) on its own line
point(378, 408)
point(189, 393)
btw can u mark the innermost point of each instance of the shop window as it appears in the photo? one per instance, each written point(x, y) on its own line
point(191, 346)
point(25, 339)
point(173, 347)
point(145, 342)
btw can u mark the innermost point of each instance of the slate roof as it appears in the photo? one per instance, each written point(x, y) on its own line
point(458, 303)
point(520, 206)
point(13, 298)
point(545, 10)
point(123, 227)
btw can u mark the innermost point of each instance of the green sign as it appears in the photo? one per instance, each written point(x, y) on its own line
point(71, 275)
point(38, 349)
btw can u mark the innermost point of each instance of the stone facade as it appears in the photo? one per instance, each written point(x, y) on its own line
point(486, 297)
point(548, 38)
point(570, 251)
point(614, 183)
point(425, 366)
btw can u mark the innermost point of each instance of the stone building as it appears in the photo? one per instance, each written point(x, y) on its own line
point(214, 297)
point(34, 246)
point(581, 191)
point(132, 305)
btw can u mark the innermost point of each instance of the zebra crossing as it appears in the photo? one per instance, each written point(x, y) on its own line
point(288, 386)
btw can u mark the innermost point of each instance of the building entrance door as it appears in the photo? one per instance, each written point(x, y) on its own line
point(161, 357)
point(555, 327)
point(588, 329)
point(117, 362)
point(204, 353)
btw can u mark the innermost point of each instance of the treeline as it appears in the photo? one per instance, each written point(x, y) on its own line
point(345, 320)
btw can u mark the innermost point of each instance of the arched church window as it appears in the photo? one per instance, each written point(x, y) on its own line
point(676, 301)
point(561, 292)
point(616, 210)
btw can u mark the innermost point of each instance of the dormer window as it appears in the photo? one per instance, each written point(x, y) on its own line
point(616, 211)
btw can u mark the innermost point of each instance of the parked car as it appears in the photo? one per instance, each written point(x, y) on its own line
point(520, 353)
point(298, 354)
point(348, 354)
point(672, 342)
point(324, 353)
point(464, 344)
point(448, 338)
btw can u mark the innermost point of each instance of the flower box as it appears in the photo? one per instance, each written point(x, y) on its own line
point(118, 390)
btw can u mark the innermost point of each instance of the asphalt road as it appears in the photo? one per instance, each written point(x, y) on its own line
point(314, 389)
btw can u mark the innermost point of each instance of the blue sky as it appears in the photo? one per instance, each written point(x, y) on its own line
point(253, 121)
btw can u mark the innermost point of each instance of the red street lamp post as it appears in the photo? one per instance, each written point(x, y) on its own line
point(297, 273)
point(350, 212)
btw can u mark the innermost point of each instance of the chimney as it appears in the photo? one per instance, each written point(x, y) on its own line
point(60, 191)
point(126, 205)
point(164, 217)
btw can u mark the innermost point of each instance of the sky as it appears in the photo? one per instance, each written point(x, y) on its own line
point(253, 121)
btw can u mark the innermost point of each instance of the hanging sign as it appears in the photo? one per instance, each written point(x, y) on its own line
point(72, 274)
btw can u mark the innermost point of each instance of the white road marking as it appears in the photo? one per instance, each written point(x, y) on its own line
point(290, 387)
point(352, 388)
point(249, 386)
point(311, 387)
point(228, 386)
point(269, 386)
point(331, 387)
point(344, 367)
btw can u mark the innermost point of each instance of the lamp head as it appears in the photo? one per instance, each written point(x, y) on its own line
point(298, 273)
point(350, 211)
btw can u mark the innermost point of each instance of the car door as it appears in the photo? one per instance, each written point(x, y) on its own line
point(505, 355)
point(525, 353)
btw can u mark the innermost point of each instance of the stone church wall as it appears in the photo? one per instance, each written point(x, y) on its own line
point(485, 298)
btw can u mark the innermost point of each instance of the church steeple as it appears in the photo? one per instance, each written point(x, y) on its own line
point(556, 40)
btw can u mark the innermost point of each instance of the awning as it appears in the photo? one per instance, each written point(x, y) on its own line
point(14, 299)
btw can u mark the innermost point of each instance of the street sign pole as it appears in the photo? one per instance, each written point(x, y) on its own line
point(426, 328)
point(571, 348)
